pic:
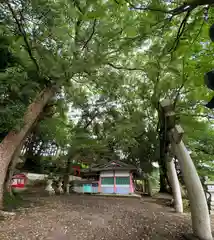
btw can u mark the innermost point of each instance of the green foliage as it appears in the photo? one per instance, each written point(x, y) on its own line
point(186, 205)
point(12, 202)
point(200, 141)
point(111, 64)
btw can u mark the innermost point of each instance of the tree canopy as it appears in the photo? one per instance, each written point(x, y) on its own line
point(111, 62)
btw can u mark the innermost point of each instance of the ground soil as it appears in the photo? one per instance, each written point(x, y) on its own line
point(79, 217)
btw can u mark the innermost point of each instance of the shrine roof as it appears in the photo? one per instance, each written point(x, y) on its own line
point(112, 165)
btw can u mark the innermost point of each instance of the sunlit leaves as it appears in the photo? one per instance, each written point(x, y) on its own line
point(113, 65)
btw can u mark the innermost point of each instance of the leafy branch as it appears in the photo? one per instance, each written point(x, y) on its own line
point(148, 8)
point(91, 35)
point(208, 116)
point(24, 35)
point(185, 7)
point(77, 4)
point(124, 68)
point(178, 92)
point(180, 31)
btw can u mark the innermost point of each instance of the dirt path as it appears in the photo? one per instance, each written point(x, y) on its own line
point(90, 217)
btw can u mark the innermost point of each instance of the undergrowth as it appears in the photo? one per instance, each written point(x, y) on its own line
point(186, 206)
point(12, 202)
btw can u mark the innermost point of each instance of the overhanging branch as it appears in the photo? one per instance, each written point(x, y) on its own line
point(77, 4)
point(23, 33)
point(178, 92)
point(146, 8)
point(181, 30)
point(197, 115)
point(124, 68)
point(185, 7)
point(91, 35)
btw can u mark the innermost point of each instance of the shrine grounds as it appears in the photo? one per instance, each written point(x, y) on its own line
point(79, 217)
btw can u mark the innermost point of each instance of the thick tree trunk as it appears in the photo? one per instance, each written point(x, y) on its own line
point(162, 166)
point(13, 140)
point(144, 186)
point(11, 169)
point(176, 191)
point(9, 175)
point(163, 179)
point(66, 179)
point(67, 172)
point(198, 204)
point(149, 187)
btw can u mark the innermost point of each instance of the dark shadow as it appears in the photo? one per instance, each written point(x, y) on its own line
point(20, 200)
point(160, 201)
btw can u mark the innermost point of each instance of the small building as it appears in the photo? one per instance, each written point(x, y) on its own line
point(112, 177)
point(18, 182)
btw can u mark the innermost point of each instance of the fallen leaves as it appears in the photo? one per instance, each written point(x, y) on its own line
point(79, 217)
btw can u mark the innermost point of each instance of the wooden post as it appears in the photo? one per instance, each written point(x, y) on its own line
point(115, 190)
point(99, 185)
point(176, 190)
point(131, 183)
point(198, 205)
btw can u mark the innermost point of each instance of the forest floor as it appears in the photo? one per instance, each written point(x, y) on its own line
point(79, 217)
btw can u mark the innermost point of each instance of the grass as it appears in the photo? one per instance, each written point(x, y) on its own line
point(12, 202)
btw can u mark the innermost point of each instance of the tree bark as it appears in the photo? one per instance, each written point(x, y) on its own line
point(66, 177)
point(144, 186)
point(71, 155)
point(198, 204)
point(149, 187)
point(163, 176)
point(176, 191)
point(162, 165)
point(12, 141)
point(10, 173)
point(11, 169)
